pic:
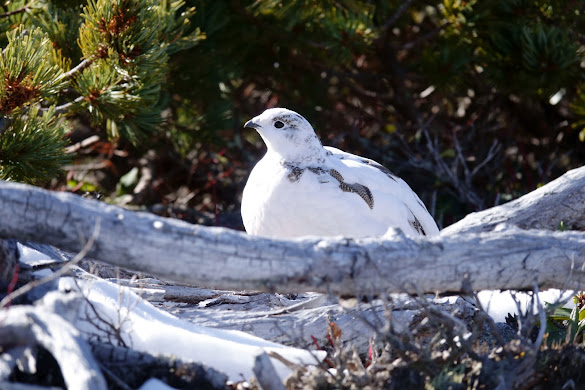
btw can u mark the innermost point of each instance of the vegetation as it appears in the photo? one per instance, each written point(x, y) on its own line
point(474, 103)
point(456, 350)
point(142, 102)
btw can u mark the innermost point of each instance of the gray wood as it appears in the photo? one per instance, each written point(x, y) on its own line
point(22, 386)
point(29, 326)
point(266, 374)
point(275, 317)
point(9, 255)
point(9, 359)
point(506, 258)
point(560, 200)
point(133, 367)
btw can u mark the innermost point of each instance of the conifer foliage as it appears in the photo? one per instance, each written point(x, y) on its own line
point(65, 58)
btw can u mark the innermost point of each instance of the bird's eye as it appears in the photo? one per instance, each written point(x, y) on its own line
point(278, 124)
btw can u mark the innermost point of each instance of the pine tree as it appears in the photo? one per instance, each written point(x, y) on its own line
point(110, 60)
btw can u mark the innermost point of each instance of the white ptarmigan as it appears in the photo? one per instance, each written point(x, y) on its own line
point(300, 188)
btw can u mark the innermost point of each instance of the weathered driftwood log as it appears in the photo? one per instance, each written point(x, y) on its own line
point(21, 386)
point(562, 200)
point(266, 373)
point(133, 368)
point(296, 320)
point(8, 260)
point(222, 258)
point(28, 326)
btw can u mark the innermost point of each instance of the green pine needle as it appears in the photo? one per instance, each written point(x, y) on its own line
point(123, 86)
point(62, 27)
point(32, 148)
point(28, 70)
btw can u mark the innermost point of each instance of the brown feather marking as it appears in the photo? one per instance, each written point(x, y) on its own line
point(380, 167)
point(295, 174)
point(363, 191)
point(417, 226)
point(317, 171)
point(336, 175)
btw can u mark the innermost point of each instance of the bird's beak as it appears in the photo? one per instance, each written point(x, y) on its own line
point(252, 125)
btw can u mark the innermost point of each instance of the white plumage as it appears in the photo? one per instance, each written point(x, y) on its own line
point(301, 188)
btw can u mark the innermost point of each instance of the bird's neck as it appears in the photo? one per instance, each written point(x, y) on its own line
point(300, 154)
point(302, 159)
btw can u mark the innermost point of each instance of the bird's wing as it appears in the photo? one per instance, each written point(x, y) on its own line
point(383, 184)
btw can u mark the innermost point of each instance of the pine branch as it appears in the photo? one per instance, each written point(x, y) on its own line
point(22, 9)
point(396, 15)
point(30, 71)
point(32, 147)
point(423, 38)
point(79, 68)
point(64, 108)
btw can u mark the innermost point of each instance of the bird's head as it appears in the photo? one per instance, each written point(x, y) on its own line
point(289, 135)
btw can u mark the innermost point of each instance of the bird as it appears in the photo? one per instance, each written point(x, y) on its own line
point(302, 188)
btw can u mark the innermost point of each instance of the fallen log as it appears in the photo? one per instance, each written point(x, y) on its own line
point(561, 200)
point(505, 258)
point(29, 326)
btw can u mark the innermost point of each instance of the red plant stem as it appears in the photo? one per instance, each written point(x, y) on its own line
point(316, 343)
point(215, 212)
point(330, 340)
point(13, 282)
point(320, 349)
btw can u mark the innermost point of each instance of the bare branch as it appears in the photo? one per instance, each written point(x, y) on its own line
point(55, 275)
point(82, 144)
point(441, 169)
point(423, 38)
point(541, 317)
point(461, 159)
point(64, 108)
point(78, 68)
point(493, 152)
point(20, 10)
point(397, 14)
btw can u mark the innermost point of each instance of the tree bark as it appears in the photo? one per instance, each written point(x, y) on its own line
point(9, 255)
point(562, 200)
point(266, 374)
point(133, 368)
point(29, 326)
point(221, 258)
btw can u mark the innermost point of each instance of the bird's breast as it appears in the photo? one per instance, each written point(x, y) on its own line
point(285, 200)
